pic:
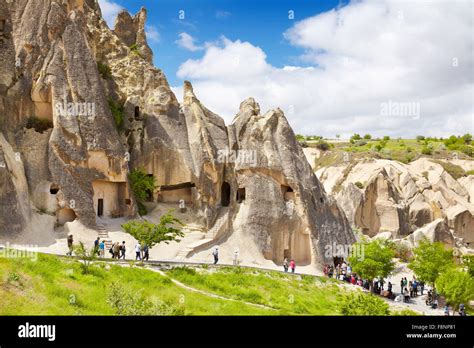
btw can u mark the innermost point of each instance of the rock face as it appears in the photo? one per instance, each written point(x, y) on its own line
point(388, 196)
point(81, 105)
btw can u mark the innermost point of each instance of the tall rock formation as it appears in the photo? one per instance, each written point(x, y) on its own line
point(81, 105)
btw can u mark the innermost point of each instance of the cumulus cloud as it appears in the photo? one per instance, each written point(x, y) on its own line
point(187, 42)
point(110, 10)
point(152, 33)
point(362, 57)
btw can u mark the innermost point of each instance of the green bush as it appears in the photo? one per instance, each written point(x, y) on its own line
point(141, 184)
point(426, 150)
point(117, 112)
point(470, 172)
point(323, 145)
point(359, 184)
point(127, 302)
point(363, 304)
point(38, 124)
point(454, 170)
point(104, 70)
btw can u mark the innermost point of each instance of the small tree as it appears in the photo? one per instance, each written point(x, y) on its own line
point(87, 256)
point(150, 234)
point(141, 184)
point(457, 286)
point(367, 137)
point(430, 260)
point(377, 260)
point(363, 304)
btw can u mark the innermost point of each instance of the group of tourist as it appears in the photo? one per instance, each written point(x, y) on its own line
point(291, 265)
point(410, 289)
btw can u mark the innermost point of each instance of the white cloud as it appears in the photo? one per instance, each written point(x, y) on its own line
point(362, 55)
point(110, 10)
point(152, 33)
point(187, 42)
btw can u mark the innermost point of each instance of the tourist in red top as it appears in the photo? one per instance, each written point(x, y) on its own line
point(292, 266)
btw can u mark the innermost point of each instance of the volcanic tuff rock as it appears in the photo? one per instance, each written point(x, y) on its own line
point(250, 177)
point(383, 195)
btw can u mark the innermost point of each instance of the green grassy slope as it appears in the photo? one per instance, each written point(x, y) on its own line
point(55, 286)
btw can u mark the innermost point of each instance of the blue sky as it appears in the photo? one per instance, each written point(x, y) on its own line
point(261, 22)
point(385, 67)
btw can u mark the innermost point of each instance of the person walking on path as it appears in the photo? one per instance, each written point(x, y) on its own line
point(215, 253)
point(96, 245)
point(138, 252)
point(123, 249)
point(116, 251)
point(236, 257)
point(70, 240)
point(292, 265)
point(146, 254)
point(446, 310)
point(285, 264)
point(102, 249)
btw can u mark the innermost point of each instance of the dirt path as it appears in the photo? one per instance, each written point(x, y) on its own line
point(210, 294)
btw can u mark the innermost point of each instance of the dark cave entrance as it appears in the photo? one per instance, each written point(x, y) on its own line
point(225, 194)
point(240, 195)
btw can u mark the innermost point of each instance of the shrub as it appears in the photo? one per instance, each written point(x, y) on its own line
point(363, 304)
point(426, 150)
point(39, 124)
point(470, 172)
point(141, 183)
point(466, 149)
point(104, 70)
point(454, 170)
point(323, 145)
point(359, 184)
point(127, 302)
point(360, 143)
point(117, 112)
point(386, 138)
point(86, 256)
point(367, 137)
point(420, 138)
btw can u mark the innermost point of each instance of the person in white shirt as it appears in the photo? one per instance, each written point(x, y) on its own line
point(138, 251)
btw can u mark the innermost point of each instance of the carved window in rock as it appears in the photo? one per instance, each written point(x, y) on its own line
point(137, 113)
point(53, 189)
point(240, 194)
point(2, 25)
point(288, 193)
point(225, 194)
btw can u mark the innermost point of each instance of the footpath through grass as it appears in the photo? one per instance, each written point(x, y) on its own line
point(289, 294)
point(56, 286)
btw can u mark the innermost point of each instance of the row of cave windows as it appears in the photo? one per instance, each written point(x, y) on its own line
point(225, 193)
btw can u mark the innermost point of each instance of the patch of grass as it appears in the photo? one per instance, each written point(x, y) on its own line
point(284, 292)
point(117, 112)
point(56, 286)
point(454, 170)
point(104, 70)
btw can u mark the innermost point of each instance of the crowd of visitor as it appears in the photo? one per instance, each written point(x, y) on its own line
point(408, 289)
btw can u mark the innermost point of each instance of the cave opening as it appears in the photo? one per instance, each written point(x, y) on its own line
point(53, 189)
point(288, 193)
point(240, 194)
point(176, 193)
point(137, 113)
point(225, 194)
point(149, 193)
